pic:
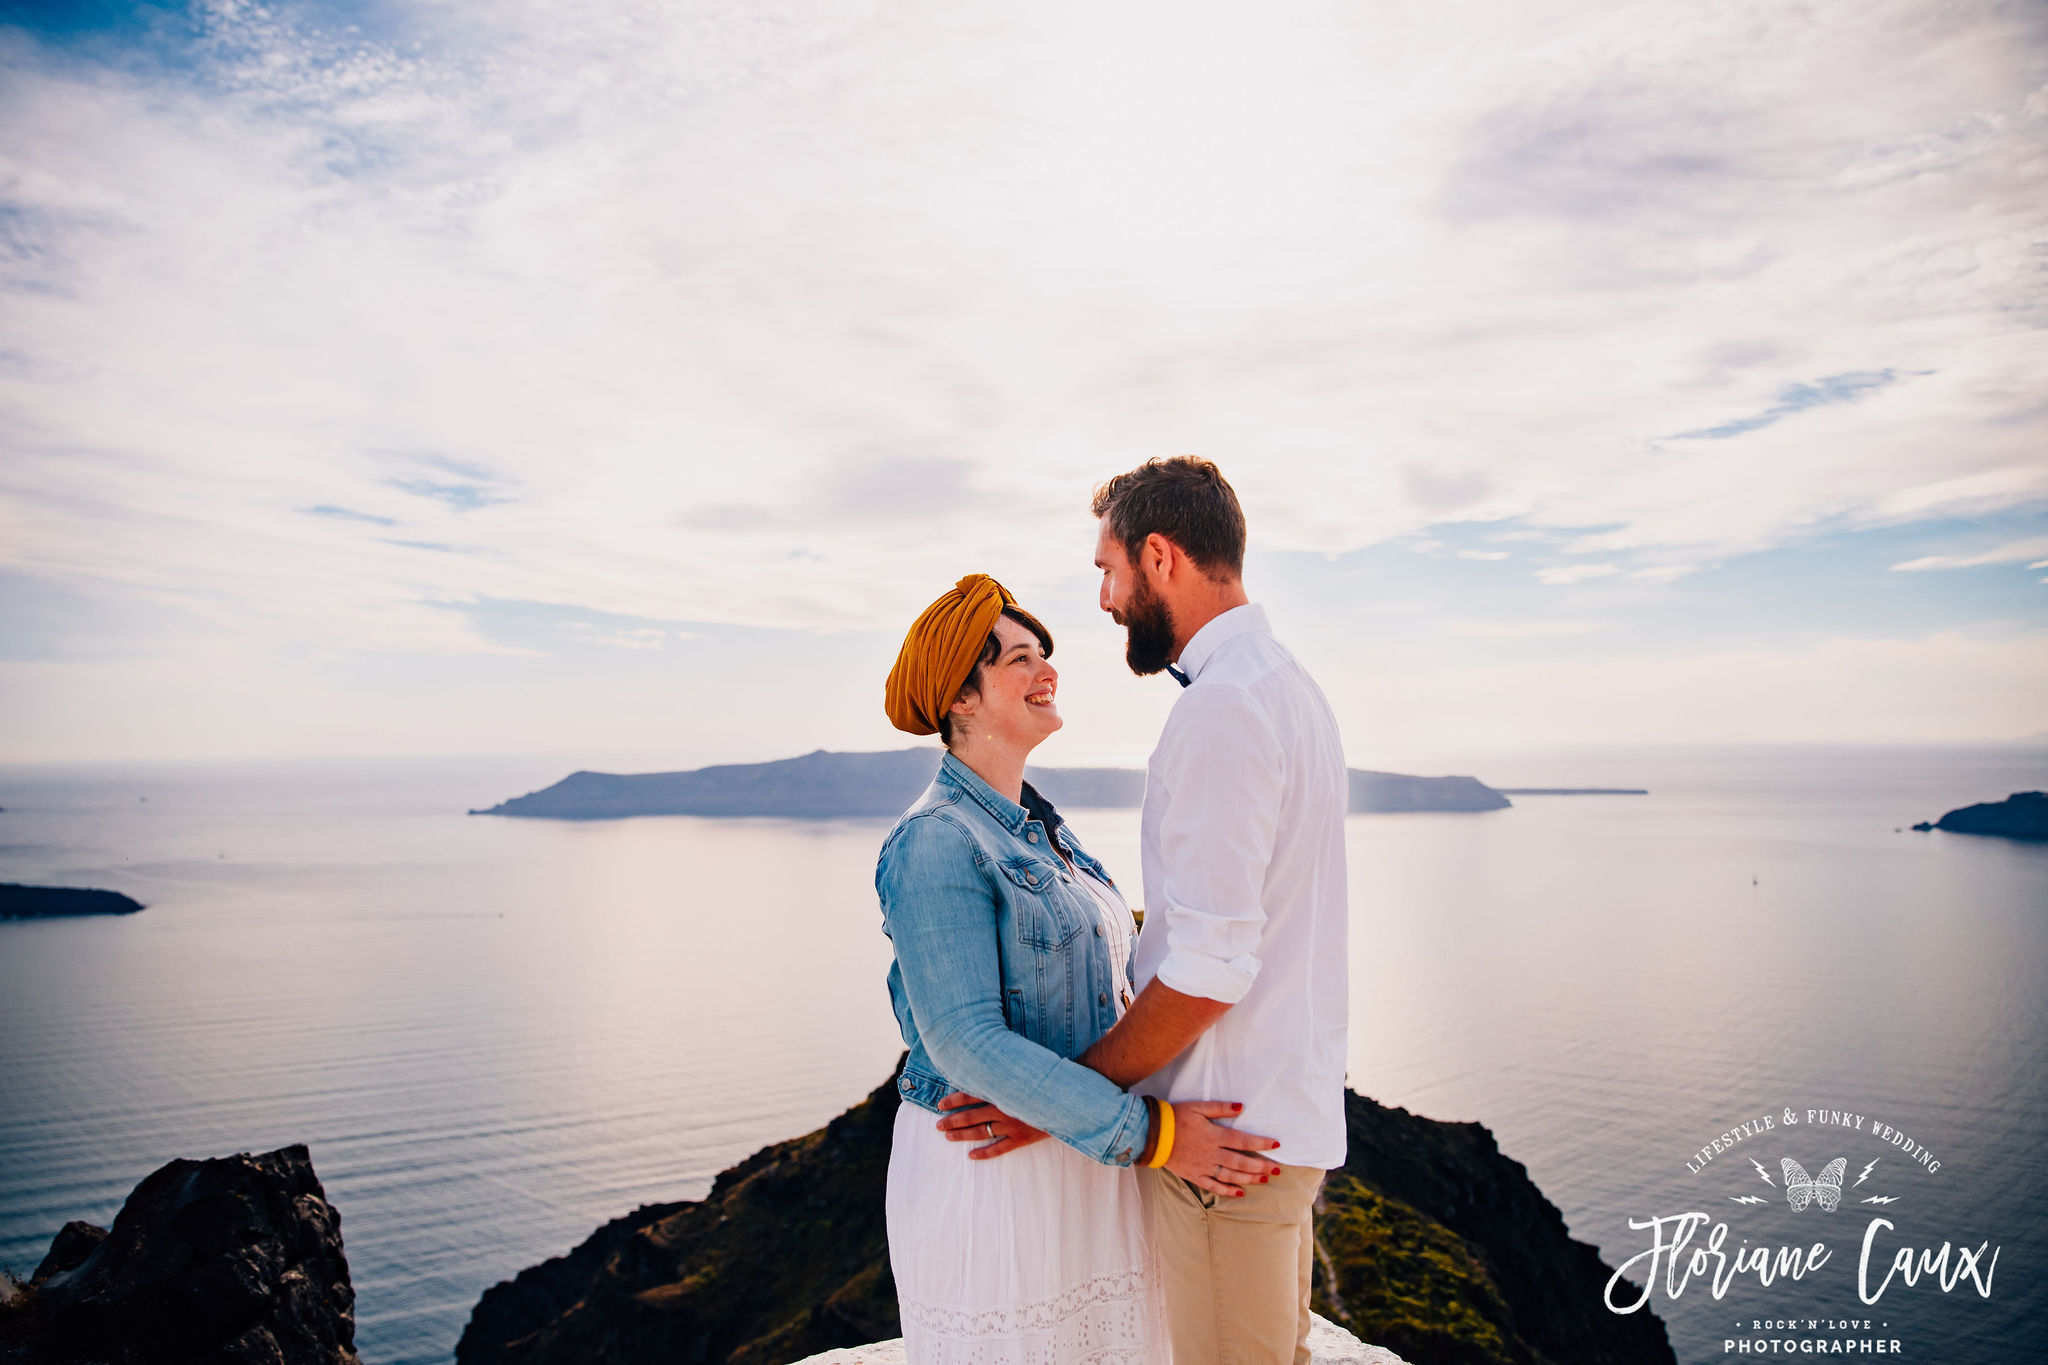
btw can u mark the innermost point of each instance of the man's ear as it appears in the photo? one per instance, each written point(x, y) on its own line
point(1158, 556)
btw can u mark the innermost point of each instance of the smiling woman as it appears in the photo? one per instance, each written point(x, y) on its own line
point(1014, 668)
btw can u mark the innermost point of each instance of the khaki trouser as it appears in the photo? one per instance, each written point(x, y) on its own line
point(1236, 1270)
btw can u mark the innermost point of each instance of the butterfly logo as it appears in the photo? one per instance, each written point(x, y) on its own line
point(1826, 1190)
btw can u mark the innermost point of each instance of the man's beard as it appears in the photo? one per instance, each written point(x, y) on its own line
point(1148, 646)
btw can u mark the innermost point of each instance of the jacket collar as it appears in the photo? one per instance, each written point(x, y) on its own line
point(1245, 620)
point(1007, 813)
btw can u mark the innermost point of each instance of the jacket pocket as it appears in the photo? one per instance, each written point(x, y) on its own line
point(1043, 919)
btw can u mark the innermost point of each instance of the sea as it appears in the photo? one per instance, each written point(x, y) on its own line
point(496, 1034)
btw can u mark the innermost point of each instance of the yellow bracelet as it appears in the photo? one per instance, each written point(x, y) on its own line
point(1164, 1149)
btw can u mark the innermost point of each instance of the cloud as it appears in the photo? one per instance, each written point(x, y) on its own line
point(348, 514)
point(866, 490)
point(473, 486)
point(1560, 575)
point(543, 628)
point(1519, 630)
point(1440, 492)
point(461, 497)
point(436, 546)
point(687, 264)
point(2017, 552)
point(892, 488)
point(1796, 398)
point(1954, 686)
point(788, 314)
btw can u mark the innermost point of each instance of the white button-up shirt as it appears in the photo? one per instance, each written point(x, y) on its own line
point(1245, 899)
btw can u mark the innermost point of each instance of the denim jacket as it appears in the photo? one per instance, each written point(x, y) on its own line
point(1002, 974)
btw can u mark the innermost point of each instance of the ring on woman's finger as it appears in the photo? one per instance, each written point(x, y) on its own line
point(1219, 1173)
point(991, 1128)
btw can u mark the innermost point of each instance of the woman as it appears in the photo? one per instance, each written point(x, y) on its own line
point(1012, 951)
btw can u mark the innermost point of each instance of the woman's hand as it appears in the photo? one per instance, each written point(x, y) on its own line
point(1215, 1158)
point(971, 1120)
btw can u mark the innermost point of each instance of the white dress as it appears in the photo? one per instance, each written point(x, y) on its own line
point(1038, 1257)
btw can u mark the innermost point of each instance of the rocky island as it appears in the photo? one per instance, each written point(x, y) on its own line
point(45, 902)
point(1573, 791)
point(823, 785)
point(2023, 815)
point(1430, 1243)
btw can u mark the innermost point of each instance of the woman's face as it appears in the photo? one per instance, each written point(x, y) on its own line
point(1015, 704)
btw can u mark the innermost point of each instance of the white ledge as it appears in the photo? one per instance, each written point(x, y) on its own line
point(1328, 1344)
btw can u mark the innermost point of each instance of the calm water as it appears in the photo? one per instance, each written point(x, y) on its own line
point(496, 1034)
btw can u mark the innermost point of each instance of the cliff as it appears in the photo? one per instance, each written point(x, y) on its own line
point(1437, 1245)
point(2023, 815)
point(786, 1257)
point(44, 902)
point(822, 785)
point(1431, 1243)
point(234, 1261)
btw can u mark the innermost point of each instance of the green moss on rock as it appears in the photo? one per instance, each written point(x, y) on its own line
point(1406, 1282)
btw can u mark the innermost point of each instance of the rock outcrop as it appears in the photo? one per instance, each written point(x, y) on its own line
point(2023, 815)
point(45, 902)
point(1435, 1244)
point(233, 1261)
point(1431, 1243)
point(823, 785)
point(786, 1257)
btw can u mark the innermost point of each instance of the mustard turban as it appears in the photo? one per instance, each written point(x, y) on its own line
point(939, 653)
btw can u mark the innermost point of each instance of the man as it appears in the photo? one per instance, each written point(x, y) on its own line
point(1242, 962)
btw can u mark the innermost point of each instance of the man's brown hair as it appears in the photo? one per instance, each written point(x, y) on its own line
point(1185, 499)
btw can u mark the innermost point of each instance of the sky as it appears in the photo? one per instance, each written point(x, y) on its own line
point(617, 381)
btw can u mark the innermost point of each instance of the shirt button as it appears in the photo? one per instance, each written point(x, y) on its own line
point(1031, 878)
point(1098, 931)
point(906, 1085)
point(1031, 837)
point(1102, 997)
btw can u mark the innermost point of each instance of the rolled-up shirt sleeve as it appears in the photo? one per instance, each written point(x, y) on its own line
point(1221, 765)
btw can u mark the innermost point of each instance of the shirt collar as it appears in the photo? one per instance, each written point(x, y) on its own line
point(1245, 620)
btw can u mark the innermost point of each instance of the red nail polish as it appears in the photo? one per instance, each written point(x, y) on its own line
point(1240, 1194)
point(1237, 1106)
point(1263, 1179)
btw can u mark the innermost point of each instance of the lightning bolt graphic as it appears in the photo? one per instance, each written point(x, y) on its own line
point(1866, 1172)
point(1882, 1199)
point(1744, 1199)
point(1764, 1173)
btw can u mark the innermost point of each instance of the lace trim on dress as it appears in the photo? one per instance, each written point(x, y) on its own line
point(1099, 1321)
